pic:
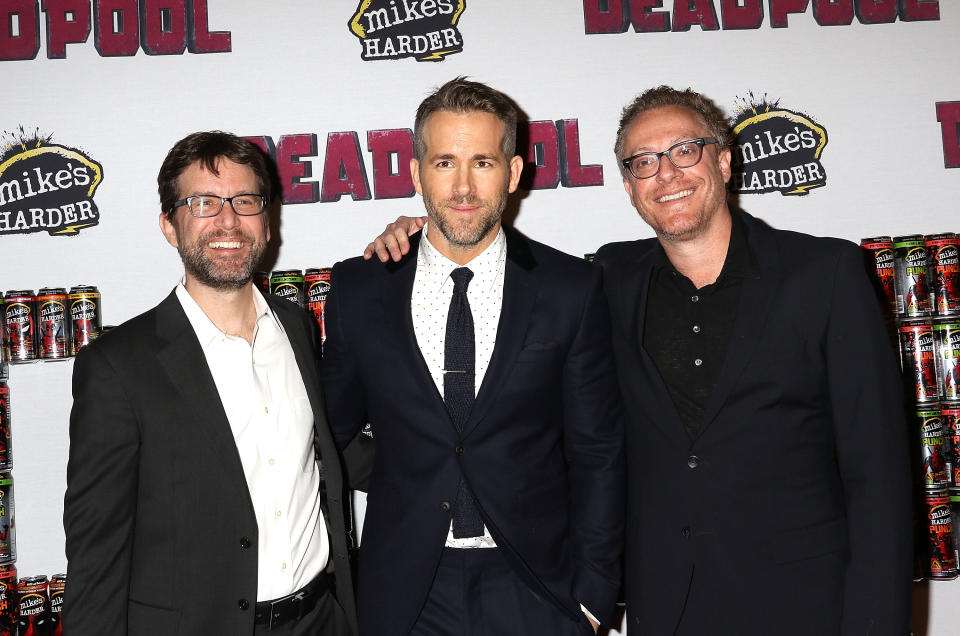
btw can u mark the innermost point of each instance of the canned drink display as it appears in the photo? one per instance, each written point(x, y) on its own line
point(85, 316)
point(950, 416)
point(911, 276)
point(6, 446)
point(58, 583)
point(955, 515)
point(917, 357)
point(879, 256)
point(9, 609)
point(287, 284)
point(53, 323)
point(943, 558)
point(932, 447)
point(8, 526)
point(946, 343)
point(944, 269)
point(317, 282)
point(18, 312)
point(34, 606)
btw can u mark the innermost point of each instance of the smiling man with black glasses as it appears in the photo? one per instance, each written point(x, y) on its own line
point(193, 502)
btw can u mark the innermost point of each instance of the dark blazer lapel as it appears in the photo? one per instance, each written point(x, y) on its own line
point(396, 291)
point(183, 361)
point(519, 296)
point(756, 296)
point(634, 290)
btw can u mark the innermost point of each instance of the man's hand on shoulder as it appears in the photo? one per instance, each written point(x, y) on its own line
point(393, 242)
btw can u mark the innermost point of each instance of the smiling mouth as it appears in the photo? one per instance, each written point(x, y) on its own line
point(230, 245)
point(673, 197)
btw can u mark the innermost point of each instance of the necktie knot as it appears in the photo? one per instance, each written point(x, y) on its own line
point(461, 278)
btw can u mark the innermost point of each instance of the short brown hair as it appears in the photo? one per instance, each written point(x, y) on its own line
point(461, 95)
point(208, 148)
point(709, 113)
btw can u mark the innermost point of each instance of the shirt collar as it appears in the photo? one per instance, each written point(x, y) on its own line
point(486, 266)
point(208, 332)
point(740, 261)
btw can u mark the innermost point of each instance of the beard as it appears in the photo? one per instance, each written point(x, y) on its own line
point(222, 273)
point(466, 232)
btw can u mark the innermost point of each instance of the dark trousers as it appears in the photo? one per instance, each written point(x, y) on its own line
point(476, 593)
point(326, 619)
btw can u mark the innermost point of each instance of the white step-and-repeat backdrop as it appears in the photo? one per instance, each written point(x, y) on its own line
point(847, 111)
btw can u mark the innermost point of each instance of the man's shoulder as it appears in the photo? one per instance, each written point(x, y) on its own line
point(129, 339)
point(621, 252)
point(801, 247)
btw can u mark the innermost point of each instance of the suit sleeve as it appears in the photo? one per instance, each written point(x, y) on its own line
point(871, 437)
point(593, 439)
point(100, 502)
point(339, 372)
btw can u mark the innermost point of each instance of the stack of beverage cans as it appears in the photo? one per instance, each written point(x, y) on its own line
point(308, 290)
point(51, 324)
point(918, 278)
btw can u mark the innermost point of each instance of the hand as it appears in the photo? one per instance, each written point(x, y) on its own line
point(393, 242)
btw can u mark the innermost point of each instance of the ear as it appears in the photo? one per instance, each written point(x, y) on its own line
point(626, 185)
point(516, 167)
point(169, 230)
point(724, 160)
point(415, 175)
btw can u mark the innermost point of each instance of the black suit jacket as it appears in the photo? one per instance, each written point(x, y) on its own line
point(541, 450)
point(161, 533)
point(790, 510)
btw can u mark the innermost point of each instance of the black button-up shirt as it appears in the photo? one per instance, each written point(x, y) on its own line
point(687, 330)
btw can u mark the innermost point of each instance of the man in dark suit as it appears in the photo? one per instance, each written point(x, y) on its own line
point(483, 363)
point(197, 435)
point(769, 489)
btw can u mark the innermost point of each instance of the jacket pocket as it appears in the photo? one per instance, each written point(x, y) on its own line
point(150, 620)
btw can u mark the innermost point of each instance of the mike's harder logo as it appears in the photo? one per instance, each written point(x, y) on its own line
point(425, 30)
point(776, 150)
point(46, 187)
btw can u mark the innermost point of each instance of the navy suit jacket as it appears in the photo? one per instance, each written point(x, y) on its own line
point(790, 510)
point(542, 450)
point(160, 529)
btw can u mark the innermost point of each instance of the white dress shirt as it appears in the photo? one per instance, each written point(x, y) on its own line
point(266, 403)
point(429, 304)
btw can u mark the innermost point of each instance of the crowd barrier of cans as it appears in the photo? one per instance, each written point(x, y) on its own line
point(31, 607)
point(919, 278)
point(50, 325)
point(307, 289)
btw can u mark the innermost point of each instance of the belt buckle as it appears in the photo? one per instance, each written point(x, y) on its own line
point(275, 609)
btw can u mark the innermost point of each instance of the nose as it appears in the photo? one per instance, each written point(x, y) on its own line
point(668, 171)
point(228, 217)
point(463, 182)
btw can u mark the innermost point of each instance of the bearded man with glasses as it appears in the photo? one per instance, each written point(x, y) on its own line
point(194, 502)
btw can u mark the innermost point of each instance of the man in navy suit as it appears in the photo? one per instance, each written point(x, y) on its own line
point(483, 362)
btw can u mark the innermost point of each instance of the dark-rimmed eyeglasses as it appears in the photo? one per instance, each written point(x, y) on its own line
point(207, 205)
point(683, 154)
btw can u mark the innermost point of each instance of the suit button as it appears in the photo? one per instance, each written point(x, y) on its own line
point(685, 532)
point(445, 506)
point(693, 461)
point(458, 450)
point(243, 604)
point(244, 543)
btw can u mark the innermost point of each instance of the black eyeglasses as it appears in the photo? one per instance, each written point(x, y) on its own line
point(684, 154)
point(207, 205)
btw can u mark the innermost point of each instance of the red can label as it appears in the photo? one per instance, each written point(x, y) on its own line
point(85, 320)
point(919, 365)
point(945, 273)
point(932, 448)
point(34, 605)
point(950, 416)
point(946, 339)
point(6, 451)
point(880, 259)
point(53, 322)
point(943, 559)
point(21, 329)
point(317, 282)
point(58, 583)
point(9, 610)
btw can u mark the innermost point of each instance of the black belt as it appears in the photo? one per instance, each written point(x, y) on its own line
point(293, 607)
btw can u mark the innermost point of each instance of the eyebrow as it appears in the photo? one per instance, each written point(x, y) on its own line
point(671, 143)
